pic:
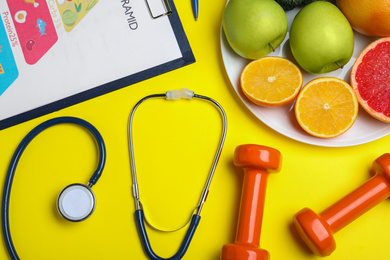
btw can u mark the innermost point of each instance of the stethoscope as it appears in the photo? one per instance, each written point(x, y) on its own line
point(76, 202)
point(139, 212)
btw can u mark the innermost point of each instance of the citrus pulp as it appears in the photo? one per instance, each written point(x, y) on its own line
point(326, 107)
point(370, 79)
point(271, 81)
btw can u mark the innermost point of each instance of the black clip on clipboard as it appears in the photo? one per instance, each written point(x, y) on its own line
point(156, 14)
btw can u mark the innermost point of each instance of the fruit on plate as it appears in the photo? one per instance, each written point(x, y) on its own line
point(271, 81)
point(288, 5)
point(326, 107)
point(254, 28)
point(321, 38)
point(370, 79)
point(367, 16)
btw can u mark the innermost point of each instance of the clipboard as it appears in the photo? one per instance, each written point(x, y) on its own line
point(57, 53)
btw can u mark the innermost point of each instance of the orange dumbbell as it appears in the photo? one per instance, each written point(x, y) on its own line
point(317, 230)
point(257, 161)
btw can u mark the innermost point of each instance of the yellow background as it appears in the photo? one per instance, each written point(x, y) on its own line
point(175, 143)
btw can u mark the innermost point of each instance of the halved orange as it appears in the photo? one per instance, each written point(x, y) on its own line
point(326, 107)
point(271, 81)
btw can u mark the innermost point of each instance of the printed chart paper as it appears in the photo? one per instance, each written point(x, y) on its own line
point(57, 53)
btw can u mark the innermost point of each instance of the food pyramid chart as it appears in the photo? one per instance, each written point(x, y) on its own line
point(57, 53)
point(30, 25)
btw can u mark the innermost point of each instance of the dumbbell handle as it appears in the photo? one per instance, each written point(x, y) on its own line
point(251, 207)
point(356, 203)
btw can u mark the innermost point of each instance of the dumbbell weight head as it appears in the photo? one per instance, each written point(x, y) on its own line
point(262, 158)
point(382, 166)
point(314, 232)
point(235, 251)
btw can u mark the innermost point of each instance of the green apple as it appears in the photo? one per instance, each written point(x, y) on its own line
point(254, 28)
point(321, 38)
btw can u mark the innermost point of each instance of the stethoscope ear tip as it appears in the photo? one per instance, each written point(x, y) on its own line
point(76, 202)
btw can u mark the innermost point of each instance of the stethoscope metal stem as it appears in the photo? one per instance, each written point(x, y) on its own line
point(218, 154)
point(131, 148)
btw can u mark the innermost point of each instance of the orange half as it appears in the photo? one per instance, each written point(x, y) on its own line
point(271, 81)
point(326, 107)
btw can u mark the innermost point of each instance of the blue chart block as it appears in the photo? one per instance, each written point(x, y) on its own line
point(8, 70)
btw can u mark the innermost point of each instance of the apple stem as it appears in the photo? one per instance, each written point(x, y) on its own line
point(339, 65)
point(272, 47)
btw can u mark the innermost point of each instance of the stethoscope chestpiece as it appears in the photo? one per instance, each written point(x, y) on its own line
point(76, 202)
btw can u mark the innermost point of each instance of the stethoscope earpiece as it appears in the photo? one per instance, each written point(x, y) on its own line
point(76, 202)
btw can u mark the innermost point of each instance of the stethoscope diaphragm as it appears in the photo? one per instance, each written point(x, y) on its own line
point(76, 202)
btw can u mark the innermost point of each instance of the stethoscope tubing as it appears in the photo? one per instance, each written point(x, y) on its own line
point(16, 157)
point(139, 215)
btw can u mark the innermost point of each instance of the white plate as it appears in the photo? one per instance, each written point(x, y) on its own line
point(364, 130)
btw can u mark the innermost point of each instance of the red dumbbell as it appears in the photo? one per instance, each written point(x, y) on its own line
point(257, 161)
point(317, 230)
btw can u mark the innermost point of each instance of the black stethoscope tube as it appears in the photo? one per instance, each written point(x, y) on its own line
point(139, 216)
point(15, 159)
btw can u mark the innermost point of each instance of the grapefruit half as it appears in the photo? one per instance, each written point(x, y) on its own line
point(370, 79)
